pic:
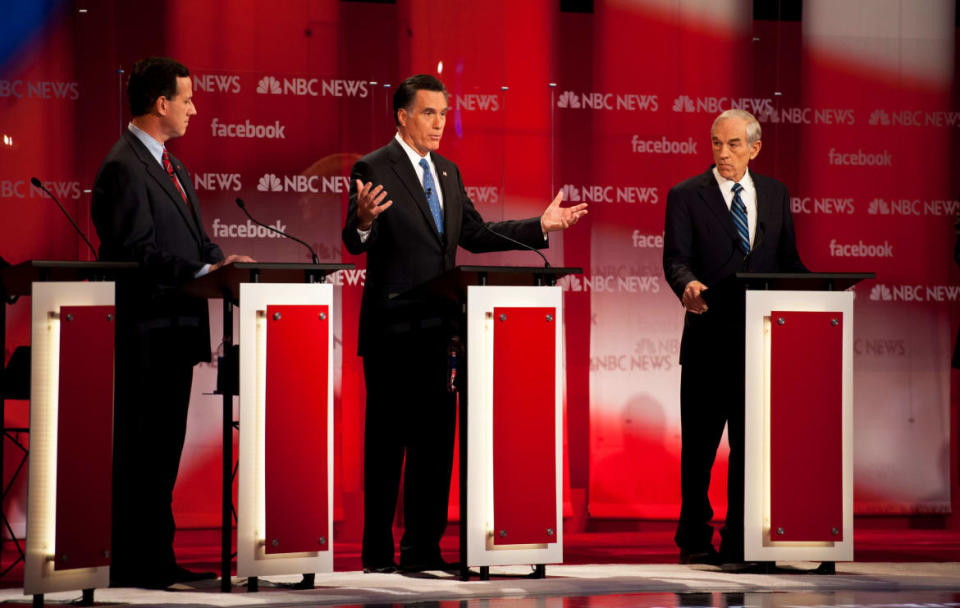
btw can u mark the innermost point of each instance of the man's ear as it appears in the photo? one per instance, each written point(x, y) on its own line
point(160, 106)
point(402, 117)
point(755, 149)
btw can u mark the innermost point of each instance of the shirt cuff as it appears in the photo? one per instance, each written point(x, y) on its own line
point(202, 271)
point(364, 234)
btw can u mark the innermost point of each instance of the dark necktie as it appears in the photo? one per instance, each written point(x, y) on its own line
point(739, 211)
point(169, 167)
point(432, 197)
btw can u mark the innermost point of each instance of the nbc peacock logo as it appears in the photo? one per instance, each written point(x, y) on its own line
point(269, 84)
point(881, 293)
point(269, 183)
point(568, 99)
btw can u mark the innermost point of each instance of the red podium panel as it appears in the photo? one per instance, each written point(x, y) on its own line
point(84, 437)
point(806, 463)
point(524, 426)
point(296, 429)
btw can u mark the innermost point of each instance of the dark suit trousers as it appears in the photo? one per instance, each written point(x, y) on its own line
point(711, 396)
point(409, 427)
point(150, 422)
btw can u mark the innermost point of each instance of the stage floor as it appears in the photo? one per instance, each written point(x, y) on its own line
point(607, 585)
point(604, 569)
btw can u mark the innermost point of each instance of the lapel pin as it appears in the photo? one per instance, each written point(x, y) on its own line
point(444, 173)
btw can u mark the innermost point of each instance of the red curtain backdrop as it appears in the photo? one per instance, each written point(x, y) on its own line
point(612, 107)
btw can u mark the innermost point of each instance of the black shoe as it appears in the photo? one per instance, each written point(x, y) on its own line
point(179, 574)
point(731, 555)
point(706, 556)
point(380, 568)
point(437, 563)
point(142, 581)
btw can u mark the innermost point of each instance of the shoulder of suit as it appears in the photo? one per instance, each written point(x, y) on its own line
point(385, 153)
point(764, 181)
point(692, 184)
point(124, 152)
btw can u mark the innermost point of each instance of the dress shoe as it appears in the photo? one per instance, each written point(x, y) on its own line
point(389, 568)
point(731, 555)
point(179, 574)
point(437, 563)
point(706, 556)
point(141, 580)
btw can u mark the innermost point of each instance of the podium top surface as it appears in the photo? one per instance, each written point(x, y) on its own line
point(225, 281)
point(453, 283)
point(17, 279)
point(803, 281)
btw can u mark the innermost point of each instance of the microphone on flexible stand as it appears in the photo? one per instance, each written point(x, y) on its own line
point(39, 185)
point(243, 207)
point(546, 264)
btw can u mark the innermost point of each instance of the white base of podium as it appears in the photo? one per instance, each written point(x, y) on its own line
point(39, 575)
point(252, 560)
point(756, 530)
point(480, 526)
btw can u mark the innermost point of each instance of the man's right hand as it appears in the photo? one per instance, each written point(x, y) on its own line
point(230, 259)
point(692, 300)
point(368, 204)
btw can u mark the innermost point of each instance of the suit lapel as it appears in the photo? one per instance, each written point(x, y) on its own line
point(710, 193)
point(408, 177)
point(765, 199)
point(158, 173)
point(192, 213)
point(448, 186)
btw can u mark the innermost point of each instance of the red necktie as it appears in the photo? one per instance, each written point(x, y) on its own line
point(169, 167)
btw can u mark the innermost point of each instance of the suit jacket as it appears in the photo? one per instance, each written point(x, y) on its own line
point(140, 216)
point(404, 248)
point(700, 243)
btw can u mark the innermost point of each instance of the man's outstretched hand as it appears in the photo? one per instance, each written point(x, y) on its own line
point(561, 218)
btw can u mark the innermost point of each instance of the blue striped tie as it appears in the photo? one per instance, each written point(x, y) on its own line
point(739, 211)
point(432, 197)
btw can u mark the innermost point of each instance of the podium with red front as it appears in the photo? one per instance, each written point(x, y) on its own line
point(798, 443)
point(71, 421)
point(510, 414)
point(284, 378)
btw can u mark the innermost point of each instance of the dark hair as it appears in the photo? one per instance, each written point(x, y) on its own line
point(407, 91)
point(152, 78)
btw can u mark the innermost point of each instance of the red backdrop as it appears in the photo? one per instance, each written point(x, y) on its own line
point(862, 126)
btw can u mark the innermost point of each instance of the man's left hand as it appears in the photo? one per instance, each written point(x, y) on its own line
point(559, 218)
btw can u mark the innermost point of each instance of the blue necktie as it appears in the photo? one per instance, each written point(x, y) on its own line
point(739, 211)
point(432, 197)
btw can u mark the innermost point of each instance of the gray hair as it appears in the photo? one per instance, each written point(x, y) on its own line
point(753, 125)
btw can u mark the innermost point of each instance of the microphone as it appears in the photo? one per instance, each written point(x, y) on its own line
point(243, 207)
point(546, 264)
point(39, 185)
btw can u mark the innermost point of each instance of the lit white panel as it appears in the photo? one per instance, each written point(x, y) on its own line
point(252, 560)
point(39, 575)
point(757, 545)
point(480, 302)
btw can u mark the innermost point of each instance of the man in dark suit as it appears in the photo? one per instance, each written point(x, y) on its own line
point(410, 239)
point(721, 222)
point(145, 210)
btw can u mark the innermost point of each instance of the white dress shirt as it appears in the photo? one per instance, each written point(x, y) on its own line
point(748, 195)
